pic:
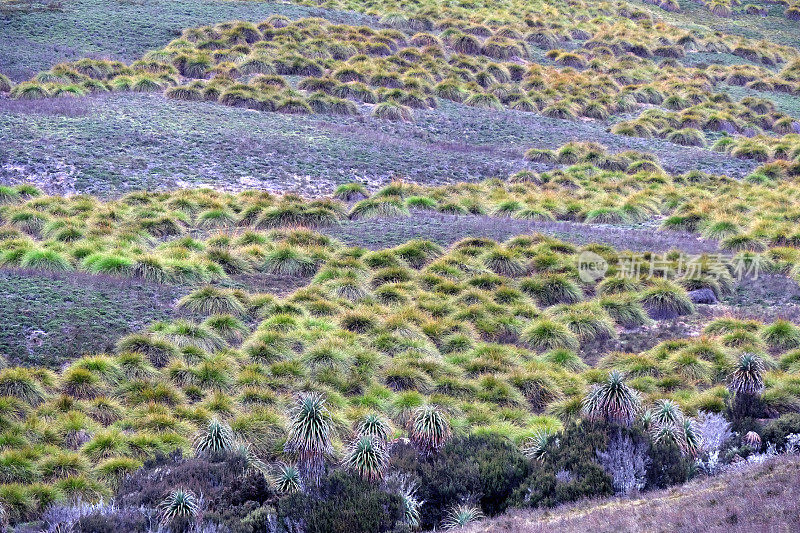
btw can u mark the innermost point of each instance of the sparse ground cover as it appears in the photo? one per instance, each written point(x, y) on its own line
point(49, 318)
point(446, 229)
point(123, 30)
point(772, 26)
point(111, 144)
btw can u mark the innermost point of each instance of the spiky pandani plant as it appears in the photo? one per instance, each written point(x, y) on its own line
point(374, 425)
point(666, 422)
point(367, 457)
point(540, 444)
point(216, 437)
point(429, 429)
point(666, 433)
point(310, 436)
point(253, 462)
point(666, 412)
point(690, 437)
point(748, 375)
point(400, 484)
point(287, 479)
point(612, 400)
point(180, 503)
point(647, 419)
point(460, 516)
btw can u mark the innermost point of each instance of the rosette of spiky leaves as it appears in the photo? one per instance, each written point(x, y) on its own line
point(748, 375)
point(429, 429)
point(690, 437)
point(540, 444)
point(666, 412)
point(367, 457)
point(647, 419)
point(667, 433)
point(287, 479)
point(180, 503)
point(252, 461)
point(400, 484)
point(411, 507)
point(612, 400)
point(374, 425)
point(310, 435)
point(216, 437)
point(461, 515)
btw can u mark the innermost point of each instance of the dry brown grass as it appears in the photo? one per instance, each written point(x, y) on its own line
point(761, 498)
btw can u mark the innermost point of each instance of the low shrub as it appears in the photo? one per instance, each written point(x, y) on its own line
point(668, 466)
point(343, 503)
point(485, 468)
point(775, 431)
point(568, 470)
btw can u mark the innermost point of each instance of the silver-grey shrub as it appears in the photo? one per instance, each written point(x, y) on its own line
point(626, 461)
point(714, 431)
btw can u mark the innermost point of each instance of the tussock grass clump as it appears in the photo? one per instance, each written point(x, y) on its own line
point(22, 384)
point(287, 261)
point(45, 260)
point(588, 323)
point(157, 351)
point(29, 91)
point(393, 111)
point(781, 335)
point(665, 300)
point(544, 335)
point(551, 289)
point(383, 207)
point(351, 191)
point(504, 263)
point(5, 84)
point(211, 300)
point(687, 137)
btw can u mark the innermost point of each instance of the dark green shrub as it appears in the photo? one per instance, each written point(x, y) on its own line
point(775, 431)
point(344, 503)
point(667, 465)
point(568, 471)
point(222, 479)
point(487, 468)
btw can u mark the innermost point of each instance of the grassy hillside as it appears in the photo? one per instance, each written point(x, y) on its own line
point(354, 266)
point(751, 498)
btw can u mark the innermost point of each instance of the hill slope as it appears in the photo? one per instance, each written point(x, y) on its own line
point(758, 498)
